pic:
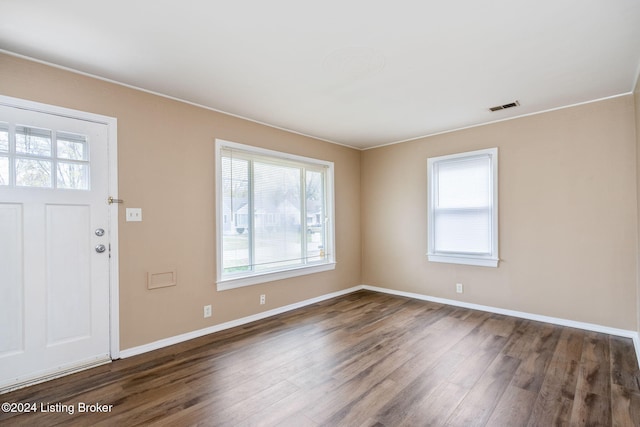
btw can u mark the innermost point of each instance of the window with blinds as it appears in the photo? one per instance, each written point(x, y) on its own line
point(274, 215)
point(463, 208)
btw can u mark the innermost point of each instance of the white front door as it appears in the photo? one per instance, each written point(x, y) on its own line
point(54, 245)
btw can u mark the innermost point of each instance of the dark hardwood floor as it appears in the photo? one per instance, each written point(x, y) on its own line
point(364, 359)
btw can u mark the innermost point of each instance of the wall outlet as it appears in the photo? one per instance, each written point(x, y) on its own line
point(263, 299)
point(207, 311)
point(459, 288)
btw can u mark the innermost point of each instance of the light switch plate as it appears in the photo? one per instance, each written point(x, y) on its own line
point(134, 214)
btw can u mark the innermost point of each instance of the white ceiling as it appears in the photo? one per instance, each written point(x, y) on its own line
point(355, 72)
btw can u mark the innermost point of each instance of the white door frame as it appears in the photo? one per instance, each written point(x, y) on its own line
point(112, 147)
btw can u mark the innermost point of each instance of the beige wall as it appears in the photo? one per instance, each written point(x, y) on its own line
point(166, 167)
point(567, 212)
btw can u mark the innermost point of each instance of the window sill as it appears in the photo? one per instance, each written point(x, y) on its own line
point(254, 279)
point(466, 260)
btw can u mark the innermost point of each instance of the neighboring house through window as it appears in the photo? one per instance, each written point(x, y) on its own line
point(281, 211)
point(463, 208)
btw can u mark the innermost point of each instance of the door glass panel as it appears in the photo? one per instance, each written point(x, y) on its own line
point(33, 173)
point(71, 146)
point(73, 175)
point(4, 137)
point(33, 141)
point(4, 170)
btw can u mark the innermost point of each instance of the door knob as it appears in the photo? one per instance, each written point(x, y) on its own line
point(100, 248)
point(99, 232)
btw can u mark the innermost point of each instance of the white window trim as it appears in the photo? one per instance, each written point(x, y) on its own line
point(490, 260)
point(253, 278)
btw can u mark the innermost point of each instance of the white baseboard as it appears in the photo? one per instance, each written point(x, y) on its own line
point(259, 316)
point(133, 351)
point(523, 315)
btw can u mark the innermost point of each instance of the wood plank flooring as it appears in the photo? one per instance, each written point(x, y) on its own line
point(364, 359)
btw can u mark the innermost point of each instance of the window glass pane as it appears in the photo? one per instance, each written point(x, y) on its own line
point(4, 170)
point(33, 173)
point(464, 183)
point(73, 176)
point(463, 232)
point(33, 141)
point(277, 211)
point(315, 216)
point(235, 205)
point(4, 137)
point(271, 209)
point(71, 146)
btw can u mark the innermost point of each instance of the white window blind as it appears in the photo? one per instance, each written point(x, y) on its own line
point(463, 208)
point(278, 211)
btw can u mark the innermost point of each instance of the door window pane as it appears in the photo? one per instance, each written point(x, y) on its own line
point(29, 158)
point(33, 173)
point(4, 137)
point(4, 171)
point(33, 141)
point(71, 146)
point(73, 176)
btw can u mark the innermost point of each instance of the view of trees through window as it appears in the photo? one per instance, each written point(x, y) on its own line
point(31, 157)
point(273, 214)
point(4, 154)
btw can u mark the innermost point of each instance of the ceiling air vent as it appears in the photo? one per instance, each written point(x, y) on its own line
point(502, 107)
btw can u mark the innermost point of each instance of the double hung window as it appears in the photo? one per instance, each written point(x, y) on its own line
point(463, 208)
point(274, 214)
